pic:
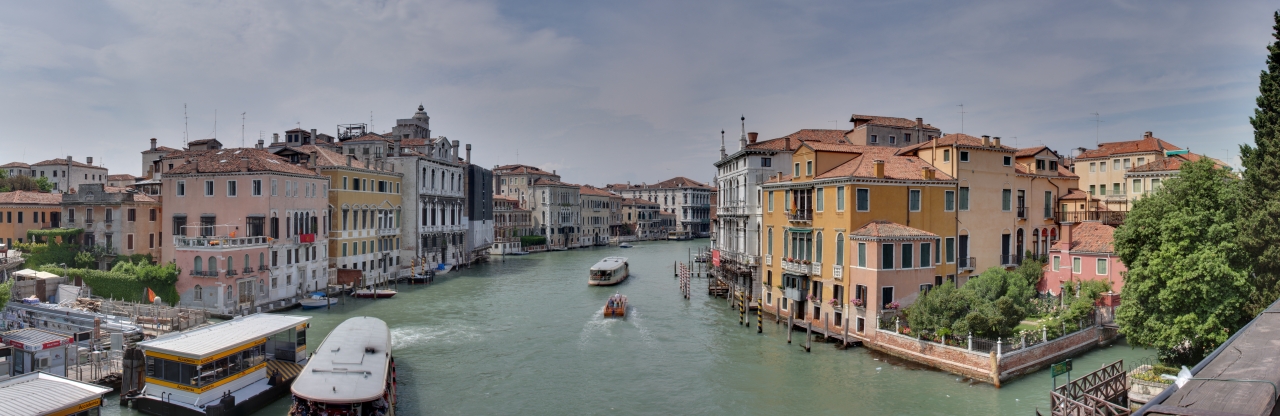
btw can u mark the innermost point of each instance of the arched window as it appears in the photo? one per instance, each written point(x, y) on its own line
point(199, 266)
point(246, 261)
point(262, 287)
point(230, 293)
point(213, 265)
point(819, 248)
point(231, 263)
point(839, 249)
point(262, 260)
point(198, 292)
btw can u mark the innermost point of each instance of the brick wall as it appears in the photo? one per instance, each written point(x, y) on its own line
point(950, 359)
point(1033, 358)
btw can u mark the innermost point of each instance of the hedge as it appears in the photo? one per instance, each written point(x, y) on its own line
point(532, 240)
point(127, 281)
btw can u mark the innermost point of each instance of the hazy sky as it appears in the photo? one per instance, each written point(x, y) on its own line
point(622, 91)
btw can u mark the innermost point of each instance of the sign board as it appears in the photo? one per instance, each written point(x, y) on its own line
point(715, 257)
point(1060, 368)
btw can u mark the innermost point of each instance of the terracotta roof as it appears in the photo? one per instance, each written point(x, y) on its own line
point(228, 161)
point(328, 157)
point(121, 177)
point(201, 141)
point(1146, 145)
point(1075, 194)
point(886, 229)
point(782, 177)
point(591, 190)
point(30, 198)
point(803, 135)
point(371, 137)
point(497, 197)
point(15, 165)
point(63, 162)
point(414, 142)
point(137, 196)
point(549, 182)
point(895, 167)
point(889, 121)
point(679, 182)
point(957, 139)
point(1172, 163)
point(1029, 151)
point(1063, 171)
point(637, 201)
point(1089, 237)
point(520, 170)
point(837, 147)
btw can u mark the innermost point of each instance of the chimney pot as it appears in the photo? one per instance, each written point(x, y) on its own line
point(153, 143)
point(787, 141)
point(995, 141)
point(986, 140)
point(313, 135)
point(259, 143)
point(752, 137)
point(919, 121)
point(89, 160)
point(275, 138)
point(468, 153)
point(926, 173)
point(349, 158)
point(68, 159)
point(879, 168)
point(455, 150)
point(244, 164)
point(1146, 135)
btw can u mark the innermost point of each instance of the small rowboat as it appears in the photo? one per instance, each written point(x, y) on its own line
point(616, 306)
point(317, 300)
point(370, 293)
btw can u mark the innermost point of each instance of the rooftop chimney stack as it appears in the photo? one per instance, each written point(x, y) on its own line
point(349, 159)
point(879, 168)
point(995, 141)
point(787, 142)
point(89, 160)
point(919, 122)
point(68, 159)
point(986, 141)
point(1146, 135)
point(468, 153)
point(314, 136)
point(455, 151)
point(752, 137)
point(259, 143)
point(275, 138)
point(244, 164)
point(153, 143)
point(928, 173)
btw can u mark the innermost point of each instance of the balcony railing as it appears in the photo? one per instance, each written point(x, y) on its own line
point(1011, 260)
point(204, 273)
point(800, 215)
point(837, 273)
point(734, 209)
point(218, 242)
point(388, 231)
point(231, 272)
point(793, 293)
point(1022, 212)
point(796, 267)
point(247, 270)
point(816, 269)
point(263, 268)
point(967, 263)
point(1113, 218)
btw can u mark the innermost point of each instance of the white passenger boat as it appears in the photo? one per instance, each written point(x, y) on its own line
point(609, 271)
point(351, 373)
point(317, 300)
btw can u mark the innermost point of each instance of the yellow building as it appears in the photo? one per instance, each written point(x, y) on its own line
point(365, 212)
point(854, 230)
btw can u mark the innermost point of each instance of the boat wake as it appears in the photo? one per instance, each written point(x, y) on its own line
point(599, 325)
point(415, 336)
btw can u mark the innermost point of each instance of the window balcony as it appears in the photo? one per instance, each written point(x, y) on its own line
point(388, 231)
point(263, 268)
point(1011, 260)
point(204, 273)
point(231, 272)
point(219, 242)
point(793, 293)
point(967, 263)
point(304, 238)
point(1112, 218)
point(837, 273)
point(768, 259)
point(801, 215)
point(796, 267)
point(816, 269)
point(1022, 212)
point(247, 270)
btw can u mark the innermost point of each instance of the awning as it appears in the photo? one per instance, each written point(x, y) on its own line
point(799, 230)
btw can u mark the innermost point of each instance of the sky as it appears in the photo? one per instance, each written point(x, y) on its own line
point(617, 91)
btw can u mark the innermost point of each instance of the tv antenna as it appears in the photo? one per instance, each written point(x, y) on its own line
point(185, 124)
point(962, 118)
point(242, 128)
point(1097, 129)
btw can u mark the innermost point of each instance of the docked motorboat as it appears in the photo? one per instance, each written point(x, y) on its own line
point(609, 271)
point(352, 373)
point(373, 293)
point(317, 300)
point(616, 307)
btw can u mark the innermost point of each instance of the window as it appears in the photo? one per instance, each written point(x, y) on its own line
point(766, 162)
point(950, 201)
point(913, 200)
point(1048, 204)
point(132, 215)
point(273, 187)
point(863, 199)
point(231, 188)
point(839, 250)
point(893, 139)
point(862, 254)
point(908, 250)
point(1115, 188)
point(1075, 265)
point(770, 241)
point(874, 139)
point(964, 198)
point(840, 198)
point(128, 241)
point(886, 256)
point(1126, 164)
point(821, 191)
point(208, 188)
point(906, 138)
point(1006, 200)
point(925, 251)
point(180, 225)
point(946, 155)
point(257, 187)
point(153, 215)
point(199, 293)
point(1155, 184)
point(1008, 160)
point(886, 296)
point(964, 156)
point(1093, 166)
point(1137, 186)
point(1102, 267)
point(951, 250)
point(1102, 166)
point(797, 170)
point(808, 168)
point(818, 250)
point(182, 188)
point(1057, 260)
point(1115, 164)
point(1091, 189)
point(1039, 164)
point(1053, 165)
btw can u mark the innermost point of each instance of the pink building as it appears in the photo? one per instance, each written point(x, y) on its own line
point(1084, 253)
point(891, 264)
point(247, 228)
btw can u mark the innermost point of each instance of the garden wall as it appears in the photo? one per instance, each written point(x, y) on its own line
point(1036, 357)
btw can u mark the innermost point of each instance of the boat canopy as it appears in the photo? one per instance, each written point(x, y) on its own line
point(42, 393)
point(609, 264)
point(350, 366)
point(223, 336)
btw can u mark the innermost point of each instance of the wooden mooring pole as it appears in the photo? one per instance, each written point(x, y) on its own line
point(808, 337)
point(788, 329)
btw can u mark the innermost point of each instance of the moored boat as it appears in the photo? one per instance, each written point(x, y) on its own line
point(616, 306)
point(609, 271)
point(317, 300)
point(374, 293)
point(352, 373)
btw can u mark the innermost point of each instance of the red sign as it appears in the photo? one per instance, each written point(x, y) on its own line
point(306, 238)
point(715, 257)
point(17, 345)
point(52, 344)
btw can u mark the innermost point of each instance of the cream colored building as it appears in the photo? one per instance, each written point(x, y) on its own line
point(1102, 171)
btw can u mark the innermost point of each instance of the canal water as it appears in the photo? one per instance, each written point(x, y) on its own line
point(525, 335)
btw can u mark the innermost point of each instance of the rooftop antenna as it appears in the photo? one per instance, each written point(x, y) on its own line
point(1097, 129)
point(215, 123)
point(962, 118)
point(184, 124)
point(242, 128)
point(371, 128)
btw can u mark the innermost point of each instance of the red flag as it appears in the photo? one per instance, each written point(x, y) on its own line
point(151, 296)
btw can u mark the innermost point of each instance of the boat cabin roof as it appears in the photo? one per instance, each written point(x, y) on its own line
point(41, 393)
point(610, 263)
point(350, 365)
point(223, 336)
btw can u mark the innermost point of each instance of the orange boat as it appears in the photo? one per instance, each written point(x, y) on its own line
point(616, 307)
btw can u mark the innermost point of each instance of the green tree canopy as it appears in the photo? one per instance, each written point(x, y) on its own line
point(1260, 199)
point(1187, 284)
point(43, 184)
point(989, 305)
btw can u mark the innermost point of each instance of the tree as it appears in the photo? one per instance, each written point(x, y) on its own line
point(1187, 284)
point(18, 183)
point(1260, 199)
point(44, 184)
point(989, 305)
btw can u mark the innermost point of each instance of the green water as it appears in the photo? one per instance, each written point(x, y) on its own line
point(526, 336)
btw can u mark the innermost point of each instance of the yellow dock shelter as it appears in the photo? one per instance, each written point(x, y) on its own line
point(241, 364)
point(44, 394)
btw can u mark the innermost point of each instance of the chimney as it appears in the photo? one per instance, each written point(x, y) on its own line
point(752, 136)
point(468, 153)
point(787, 141)
point(68, 159)
point(244, 164)
point(275, 138)
point(313, 136)
point(995, 141)
point(919, 122)
point(986, 141)
point(311, 159)
point(879, 168)
point(1146, 135)
point(927, 173)
point(259, 143)
point(455, 150)
point(349, 159)
point(153, 143)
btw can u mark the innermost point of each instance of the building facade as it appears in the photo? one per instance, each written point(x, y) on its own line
point(1084, 253)
point(640, 218)
point(478, 211)
point(1103, 170)
point(688, 199)
point(22, 211)
point(67, 174)
point(365, 213)
point(125, 221)
point(596, 206)
point(557, 207)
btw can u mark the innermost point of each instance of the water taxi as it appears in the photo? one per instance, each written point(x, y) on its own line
point(317, 300)
point(609, 271)
point(374, 293)
point(616, 306)
point(351, 373)
point(625, 245)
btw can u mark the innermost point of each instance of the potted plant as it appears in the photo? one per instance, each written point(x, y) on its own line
point(833, 302)
point(805, 262)
point(813, 298)
point(892, 305)
point(857, 303)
